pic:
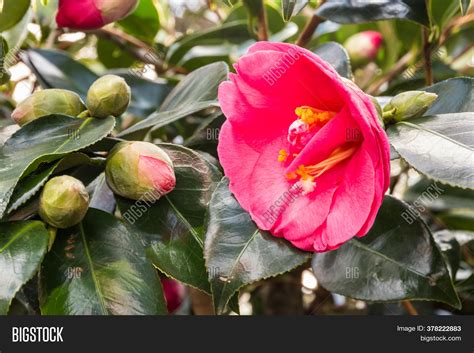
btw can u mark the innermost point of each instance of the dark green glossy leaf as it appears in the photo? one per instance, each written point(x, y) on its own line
point(45, 140)
point(395, 261)
point(12, 12)
point(172, 228)
point(206, 136)
point(440, 147)
point(237, 252)
point(233, 32)
point(101, 197)
point(292, 7)
point(348, 11)
point(337, 56)
point(466, 286)
point(144, 22)
point(450, 242)
point(22, 248)
point(197, 91)
point(99, 268)
point(31, 184)
point(455, 95)
point(147, 95)
point(56, 69)
point(439, 197)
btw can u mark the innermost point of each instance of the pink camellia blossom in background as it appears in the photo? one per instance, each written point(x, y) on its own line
point(302, 147)
point(92, 14)
point(174, 293)
point(363, 47)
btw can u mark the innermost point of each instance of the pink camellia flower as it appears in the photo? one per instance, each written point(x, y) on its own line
point(363, 47)
point(92, 14)
point(174, 293)
point(302, 147)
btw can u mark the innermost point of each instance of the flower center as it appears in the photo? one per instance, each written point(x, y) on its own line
point(308, 123)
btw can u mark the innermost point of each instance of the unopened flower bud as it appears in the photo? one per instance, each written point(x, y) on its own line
point(408, 105)
point(109, 95)
point(139, 169)
point(363, 47)
point(46, 102)
point(92, 14)
point(63, 202)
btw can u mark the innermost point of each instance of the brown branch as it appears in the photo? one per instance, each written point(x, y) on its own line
point(309, 29)
point(201, 302)
point(404, 61)
point(397, 69)
point(262, 32)
point(427, 57)
point(409, 308)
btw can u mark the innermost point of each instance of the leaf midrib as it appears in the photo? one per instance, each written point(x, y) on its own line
point(19, 233)
point(422, 128)
point(186, 223)
point(246, 245)
point(98, 289)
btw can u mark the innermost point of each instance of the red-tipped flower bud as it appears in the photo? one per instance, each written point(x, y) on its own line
point(92, 14)
point(363, 47)
point(139, 169)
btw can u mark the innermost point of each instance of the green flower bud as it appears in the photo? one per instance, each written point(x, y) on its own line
point(408, 105)
point(63, 202)
point(138, 170)
point(46, 102)
point(109, 95)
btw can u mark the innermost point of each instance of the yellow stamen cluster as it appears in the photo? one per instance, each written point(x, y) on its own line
point(282, 156)
point(310, 115)
point(313, 171)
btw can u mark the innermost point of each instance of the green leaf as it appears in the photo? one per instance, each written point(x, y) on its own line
point(172, 228)
point(348, 11)
point(22, 248)
point(101, 197)
point(45, 140)
point(56, 69)
point(12, 13)
point(113, 56)
point(31, 184)
point(4, 75)
point(229, 33)
point(440, 147)
point(196, 92)
point(292, 7)
point(144, 22)
point(396, 260)
point(99, 268)
point(450, 242)
point(336, 55)
point(237, 252)
point(146, 95)
point(206, 136)
point(438, 197)
point(455, 95)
